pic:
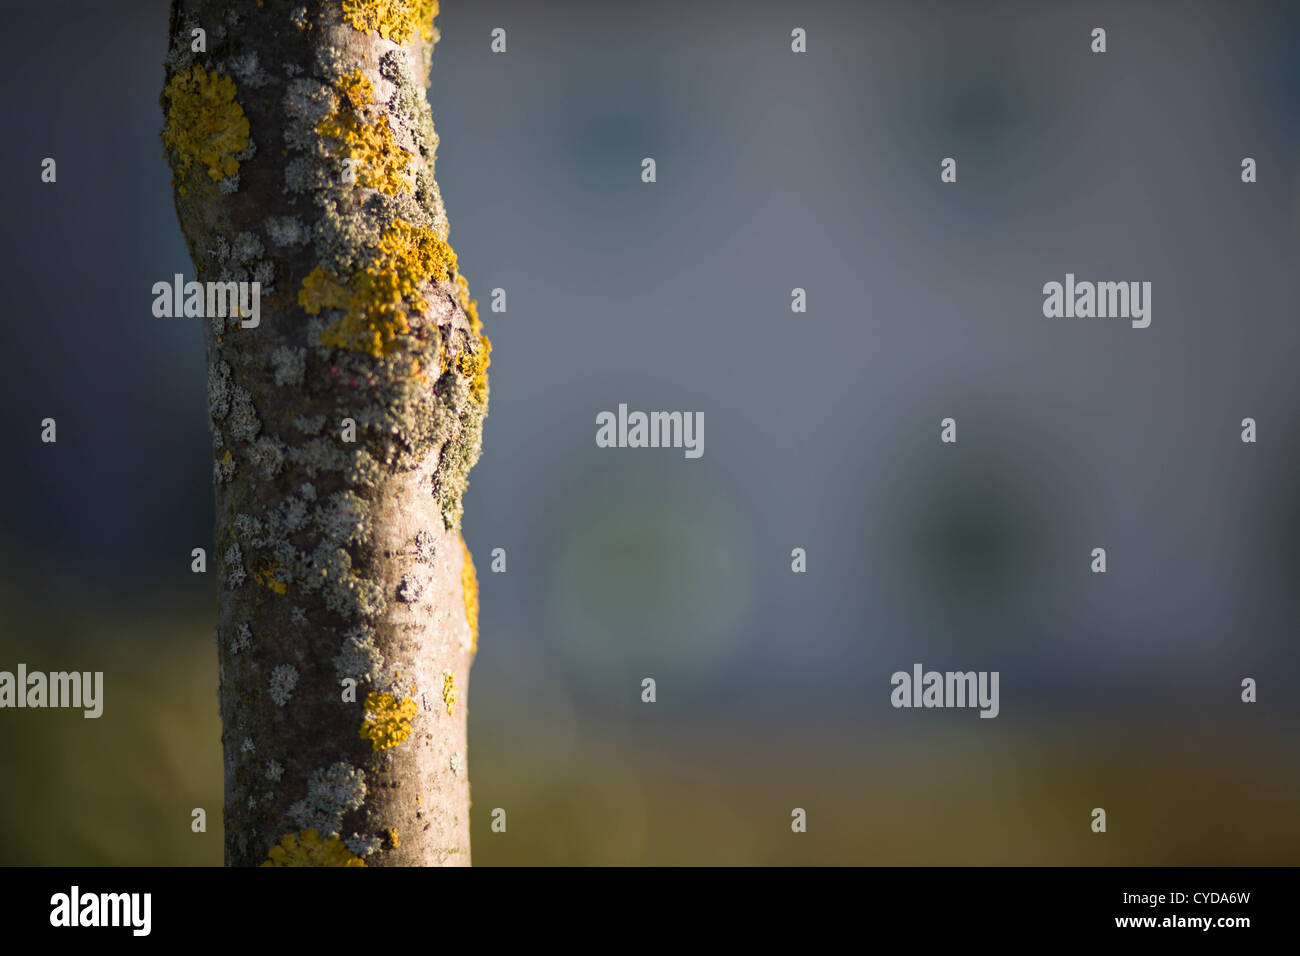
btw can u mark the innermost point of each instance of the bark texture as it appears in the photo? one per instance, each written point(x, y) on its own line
point(344, 423)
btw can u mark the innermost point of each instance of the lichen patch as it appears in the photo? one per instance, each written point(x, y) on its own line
point(396, 20)
point(306, 848)
point(205, 125)
point(387, 721)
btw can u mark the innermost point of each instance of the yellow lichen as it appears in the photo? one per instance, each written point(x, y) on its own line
point(392, 19)
point(413, 255)
point(267, 578)
point(388, 721)
point(380, 163)
point(469, 305)
point(474, 365)
point(306, 848)
point(322, 290)
point(205, 125)
point(405, 258)
point(469, 588)
point(357, 89)
point(449, 694)
point(394, 843)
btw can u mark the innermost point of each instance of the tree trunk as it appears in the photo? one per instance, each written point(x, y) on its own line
point(346, 410)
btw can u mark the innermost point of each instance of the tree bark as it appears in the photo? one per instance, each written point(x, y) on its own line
point(346, 412)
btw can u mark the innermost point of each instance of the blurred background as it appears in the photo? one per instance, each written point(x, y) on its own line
point(775, 170)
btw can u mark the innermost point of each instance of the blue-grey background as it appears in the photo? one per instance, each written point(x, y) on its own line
point(775, 170)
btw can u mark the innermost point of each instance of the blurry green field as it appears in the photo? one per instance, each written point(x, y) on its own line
point(119, 790)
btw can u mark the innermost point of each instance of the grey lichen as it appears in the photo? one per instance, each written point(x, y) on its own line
point(246, 248)
point(285, 231)
point(359, 658)
point(362, 846)
point(363, 469)
point(268, 454)
point(243, 638)
point(249, 528)
point(304, 174)
point(263, 271)
point(332, 62)
point(218, 392)
point(243, 422)
point(309, 424)
point(352, 595)
point(306, 103)
point(234, 560)
point(180, 54)
point(286, 556)
point(317, 455)
point(343, 238)
point(331, 793)
point(295, 513)
point(410, 589)
point(246, 68)
point(223, 469)
point(395, 679)
point(426, 546)
point(344, 518)
point(284, 678)
point(458, 457)
point(408, 104)
point(394, 65)
point(289, 365)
